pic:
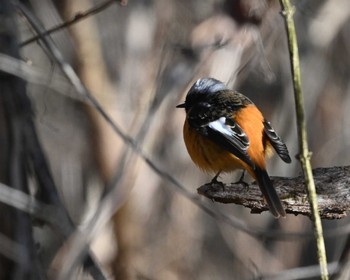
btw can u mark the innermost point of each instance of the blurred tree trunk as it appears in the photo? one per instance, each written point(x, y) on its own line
point(105, 144)
point(15, 110)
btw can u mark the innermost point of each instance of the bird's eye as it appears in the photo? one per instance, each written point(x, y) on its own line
point(205, 104)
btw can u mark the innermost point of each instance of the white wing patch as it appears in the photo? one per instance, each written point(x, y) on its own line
point(231, 131)
point(220, 125)
point(230, 136)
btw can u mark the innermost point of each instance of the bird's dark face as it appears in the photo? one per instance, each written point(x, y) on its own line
point(200, 90)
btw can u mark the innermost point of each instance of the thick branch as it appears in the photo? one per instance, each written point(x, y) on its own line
point(332, 185)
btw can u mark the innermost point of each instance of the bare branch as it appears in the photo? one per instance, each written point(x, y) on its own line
point(32, 74)
point(78, 17)
point(306, 272)
point(13, 250)
point(332, 192)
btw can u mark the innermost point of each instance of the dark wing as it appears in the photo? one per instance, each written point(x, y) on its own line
point(230, 136)
point(211, 121)
point(276, 142)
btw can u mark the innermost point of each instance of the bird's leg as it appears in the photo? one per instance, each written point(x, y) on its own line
point(214, 180)
point(241, 180)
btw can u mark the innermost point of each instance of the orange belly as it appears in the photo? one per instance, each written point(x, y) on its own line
point(210, 157)
point(207, 155)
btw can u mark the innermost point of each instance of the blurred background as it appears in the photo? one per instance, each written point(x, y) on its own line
point(138, 60)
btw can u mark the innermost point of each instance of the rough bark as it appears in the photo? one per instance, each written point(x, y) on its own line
point(332, 185)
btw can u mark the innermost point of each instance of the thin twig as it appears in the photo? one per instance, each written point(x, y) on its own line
point(24, 202)
point(15, 251)
point(32, 74)
point(304, 154)
point(299, 273)
point(78, 17)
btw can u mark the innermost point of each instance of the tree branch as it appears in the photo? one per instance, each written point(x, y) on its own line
point(78, 17)
point(332, 192)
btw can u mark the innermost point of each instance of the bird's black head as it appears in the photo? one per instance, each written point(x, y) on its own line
point(200, 91)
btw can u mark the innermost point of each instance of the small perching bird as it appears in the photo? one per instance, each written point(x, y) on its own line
point(225, 131)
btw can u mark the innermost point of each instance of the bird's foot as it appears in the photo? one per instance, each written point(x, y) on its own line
point(216, 183)
point(215, 179)
point(242, 182)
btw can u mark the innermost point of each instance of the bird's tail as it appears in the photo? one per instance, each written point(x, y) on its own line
point(269, 193)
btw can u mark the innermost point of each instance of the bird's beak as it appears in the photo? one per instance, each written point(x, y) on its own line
point(183, 105)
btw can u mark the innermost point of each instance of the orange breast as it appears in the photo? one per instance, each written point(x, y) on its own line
point(207, 155)
point(212, 158)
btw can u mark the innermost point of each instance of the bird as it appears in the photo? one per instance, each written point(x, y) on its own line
point(225, 131)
